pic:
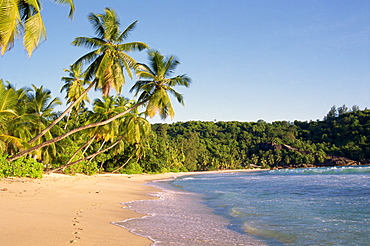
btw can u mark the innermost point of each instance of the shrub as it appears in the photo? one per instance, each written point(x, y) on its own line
point(133, 168)
point(85, 167)
point(22, 167)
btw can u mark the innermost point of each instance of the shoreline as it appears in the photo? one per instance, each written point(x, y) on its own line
point(79, 210)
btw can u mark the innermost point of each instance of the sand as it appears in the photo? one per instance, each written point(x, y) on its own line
point(72, 210)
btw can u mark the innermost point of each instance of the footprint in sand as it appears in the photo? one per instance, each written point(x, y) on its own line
point(75, 223)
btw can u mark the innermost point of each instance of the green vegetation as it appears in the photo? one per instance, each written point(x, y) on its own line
point(113, 135)
point(232, 145)
point(30, 127)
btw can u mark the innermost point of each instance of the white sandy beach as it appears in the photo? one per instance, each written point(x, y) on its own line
point(78, 210)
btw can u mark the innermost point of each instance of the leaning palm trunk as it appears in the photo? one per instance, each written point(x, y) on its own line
point(65, 127)
point(87, 144)
point(78, 129)
point(86, 158)
point(101, 146)
point(42, 133)
point(124, 164)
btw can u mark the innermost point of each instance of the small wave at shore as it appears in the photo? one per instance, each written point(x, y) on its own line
point(322, 170)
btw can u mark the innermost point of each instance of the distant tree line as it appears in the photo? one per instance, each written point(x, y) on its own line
point(199, 145)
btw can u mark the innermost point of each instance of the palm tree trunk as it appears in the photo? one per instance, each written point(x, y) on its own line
point(86, 158)
point(124, 164)
point(87, 144)
point(69, 115)
point(56, 139)
point(62, 115)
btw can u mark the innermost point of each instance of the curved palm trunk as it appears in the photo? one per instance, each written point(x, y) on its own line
point(124, 164)
point(87, 157)
point(56, 139)
point(87, 144)
point(42, 133)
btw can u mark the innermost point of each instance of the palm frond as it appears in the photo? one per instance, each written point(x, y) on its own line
point(124, 35)
point(71, 5)
point(182, 80)
point(171, 64)
point(88, 42)
point(10, 23)
point(111, 24)
point(179, 97)
point(8, 98)
point(133, 46)
point(34, 32)
point(97, 25)
point(17, 142)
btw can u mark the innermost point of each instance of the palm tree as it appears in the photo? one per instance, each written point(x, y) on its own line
point(8, 112)
point(109, 57)
point(41, 103)
point(153, 94)
point(74, 86)
point(73, 103)
point(22, 113)
point(155, 83)
point(23, 17)
point(107, 60)
point(130, 129)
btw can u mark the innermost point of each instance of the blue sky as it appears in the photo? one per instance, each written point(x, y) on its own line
point(248, 60)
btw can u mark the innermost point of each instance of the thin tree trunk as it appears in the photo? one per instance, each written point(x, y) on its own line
point(88, 145)
point(83, 146)
point(101, 146)
point(85, 158)
point(69, 115)
point(56, 139)
point(124, 164)
point(42, 133)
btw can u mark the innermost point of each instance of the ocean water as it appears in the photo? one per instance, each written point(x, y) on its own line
point(315, 206)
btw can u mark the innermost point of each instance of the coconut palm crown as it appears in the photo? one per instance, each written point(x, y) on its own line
point(155, 84)
point(109, 57)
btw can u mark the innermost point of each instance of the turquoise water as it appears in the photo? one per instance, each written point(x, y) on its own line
point(316, 206)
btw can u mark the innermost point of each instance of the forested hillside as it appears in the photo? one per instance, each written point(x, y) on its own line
point(198, 145)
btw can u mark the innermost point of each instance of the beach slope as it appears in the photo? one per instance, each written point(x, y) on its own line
point(64, 210)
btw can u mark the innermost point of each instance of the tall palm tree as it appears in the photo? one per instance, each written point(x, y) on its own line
point(155, 83)
point(107, 61)
point(109, 57)
point(153, 94)
point(23, 17)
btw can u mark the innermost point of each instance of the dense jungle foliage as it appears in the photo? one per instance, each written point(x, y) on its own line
point(197, 145)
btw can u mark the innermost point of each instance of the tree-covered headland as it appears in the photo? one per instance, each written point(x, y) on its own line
point(341, 138)
point(111, 133)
